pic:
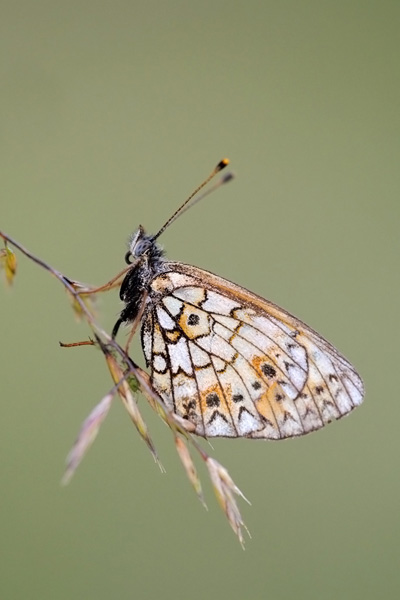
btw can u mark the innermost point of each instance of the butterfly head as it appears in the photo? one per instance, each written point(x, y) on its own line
point(142, 245)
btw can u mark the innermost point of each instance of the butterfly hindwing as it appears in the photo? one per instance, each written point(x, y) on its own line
point(236, 365)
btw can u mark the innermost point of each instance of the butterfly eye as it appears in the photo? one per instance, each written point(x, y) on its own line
point(142, 247)
point(128, 258)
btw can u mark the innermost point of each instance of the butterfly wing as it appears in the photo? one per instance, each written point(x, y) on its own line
point(235, 364)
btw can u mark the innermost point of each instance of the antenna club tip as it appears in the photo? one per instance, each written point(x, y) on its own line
point(222, 164)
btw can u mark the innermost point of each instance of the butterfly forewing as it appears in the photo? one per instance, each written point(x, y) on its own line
point(236, 365)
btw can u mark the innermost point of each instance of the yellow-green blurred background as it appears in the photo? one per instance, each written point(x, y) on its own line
point(111, 113)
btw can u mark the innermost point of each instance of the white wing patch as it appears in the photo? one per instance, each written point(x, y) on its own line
point(173, 305)
point(179, 357)
point(215, 303)
point(166, 322)
point(235, 369)
point(198, 356)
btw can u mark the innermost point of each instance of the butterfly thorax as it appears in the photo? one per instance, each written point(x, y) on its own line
point(146, 257)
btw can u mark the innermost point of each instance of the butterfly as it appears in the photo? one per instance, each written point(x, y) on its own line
point(229, 362)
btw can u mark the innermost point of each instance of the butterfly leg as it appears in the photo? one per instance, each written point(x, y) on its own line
point(113, 283)
point(88, 342)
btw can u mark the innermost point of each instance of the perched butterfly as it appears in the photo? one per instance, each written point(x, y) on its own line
point(225, 359)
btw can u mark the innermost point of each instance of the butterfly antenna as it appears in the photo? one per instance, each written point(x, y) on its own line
point(221, 165)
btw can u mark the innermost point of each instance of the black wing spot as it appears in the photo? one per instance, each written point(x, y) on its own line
point(319, 389)
point(268, 370)
point(190, 412)
point(190, 405)
point(212, 400)
point(193, 319)
point(243, 409)
point(279, 397)
point(329, 404)
point(288, 417)
point(238, 398)
point(333, 377)
point(216, 414)
point(256, 385)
